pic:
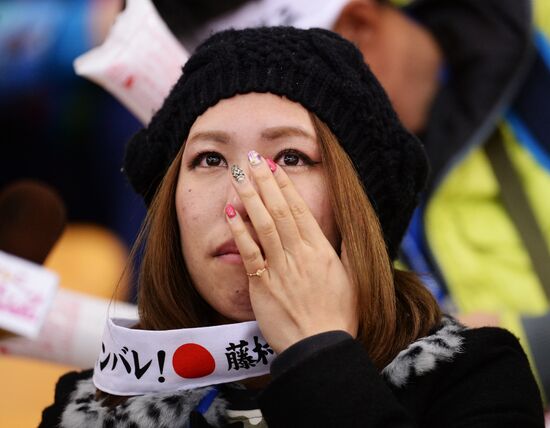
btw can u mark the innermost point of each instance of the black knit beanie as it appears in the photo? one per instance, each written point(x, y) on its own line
point(316, 68)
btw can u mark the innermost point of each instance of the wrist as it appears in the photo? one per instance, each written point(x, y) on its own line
point(305, 348)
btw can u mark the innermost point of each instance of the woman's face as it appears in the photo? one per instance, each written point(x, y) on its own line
point(274, 127)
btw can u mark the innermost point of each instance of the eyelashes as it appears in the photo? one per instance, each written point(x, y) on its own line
point(286, 158)
point(208, 160)
point(291, 157)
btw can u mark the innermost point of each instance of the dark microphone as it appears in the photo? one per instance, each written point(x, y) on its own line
point(32, 218)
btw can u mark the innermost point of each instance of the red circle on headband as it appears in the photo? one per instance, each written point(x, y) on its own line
point(192, 360)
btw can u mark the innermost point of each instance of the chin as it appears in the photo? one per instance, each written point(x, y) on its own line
point(233, 305)
point(235, 315)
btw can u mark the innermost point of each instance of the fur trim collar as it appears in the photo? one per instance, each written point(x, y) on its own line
point(423, 355)
point(147, 411)
point(173, 409)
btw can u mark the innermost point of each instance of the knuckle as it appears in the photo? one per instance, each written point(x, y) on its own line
point(252, 256)
point(284, 182)
point(326, 260)
point(247, 194)
point(278, 212)
point(267, 228)
point(298, 209)
point(239, 232)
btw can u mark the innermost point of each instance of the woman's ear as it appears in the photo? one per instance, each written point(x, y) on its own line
point(359, 20)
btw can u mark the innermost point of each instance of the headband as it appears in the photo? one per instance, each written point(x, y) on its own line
point(135, 362)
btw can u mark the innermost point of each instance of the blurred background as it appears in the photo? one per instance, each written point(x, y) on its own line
point(57, 127)
point(68, 133)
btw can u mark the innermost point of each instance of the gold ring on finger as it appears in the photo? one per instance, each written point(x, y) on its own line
point(258, 273)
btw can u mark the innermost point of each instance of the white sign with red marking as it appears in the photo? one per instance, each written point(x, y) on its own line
point(139, 61)
point(27, 291)
point(134, 362)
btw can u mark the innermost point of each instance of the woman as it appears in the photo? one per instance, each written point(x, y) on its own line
point(279, 184)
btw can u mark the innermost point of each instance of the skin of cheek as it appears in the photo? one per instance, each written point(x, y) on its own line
point(202, 228)
point(318, 201)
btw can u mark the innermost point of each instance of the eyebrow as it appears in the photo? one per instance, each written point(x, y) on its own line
point(267, 134)
point(218, 136)
point(284, 132)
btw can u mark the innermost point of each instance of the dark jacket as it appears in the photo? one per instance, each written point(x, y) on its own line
point(454, 377)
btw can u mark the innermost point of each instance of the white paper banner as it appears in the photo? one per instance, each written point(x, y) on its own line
point(72, 330)
point(26, 293)
point(139, 62)
point(134, 362)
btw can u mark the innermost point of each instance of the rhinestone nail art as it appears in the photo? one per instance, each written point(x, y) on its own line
point(237, 173)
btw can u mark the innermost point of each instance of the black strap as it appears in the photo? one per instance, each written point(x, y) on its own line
point(516, 203)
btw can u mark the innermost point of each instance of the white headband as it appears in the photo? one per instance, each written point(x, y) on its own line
point(134, 362)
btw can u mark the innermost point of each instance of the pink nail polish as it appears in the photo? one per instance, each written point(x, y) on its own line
point(272, 165)
point(230, 211)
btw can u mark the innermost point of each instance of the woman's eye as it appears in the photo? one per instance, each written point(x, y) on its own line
point(212, 160)
point(208, 160)
point(293, 158)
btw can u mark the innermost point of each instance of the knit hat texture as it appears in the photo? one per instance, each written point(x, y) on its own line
point(323, 72)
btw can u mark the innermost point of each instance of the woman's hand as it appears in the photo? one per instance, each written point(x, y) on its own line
point(305, 288)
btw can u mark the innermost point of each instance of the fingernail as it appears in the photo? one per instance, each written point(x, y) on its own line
point(272, 165)
point(237, 173)
point(254, 158)
point(230, 211)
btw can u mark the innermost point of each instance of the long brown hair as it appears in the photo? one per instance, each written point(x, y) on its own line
point(394, 307)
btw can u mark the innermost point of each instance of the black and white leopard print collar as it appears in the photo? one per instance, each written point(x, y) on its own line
point(173, 409)
point(423, 355)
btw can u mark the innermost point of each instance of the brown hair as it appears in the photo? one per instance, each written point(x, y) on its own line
point(394, 307)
